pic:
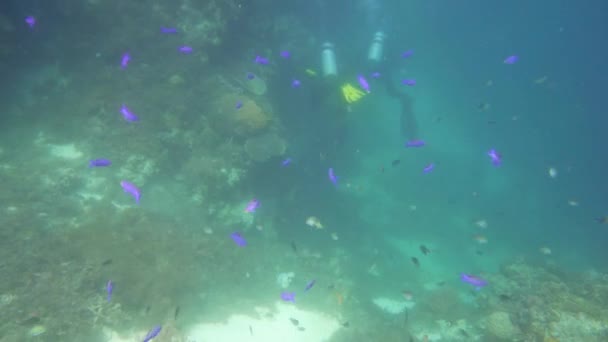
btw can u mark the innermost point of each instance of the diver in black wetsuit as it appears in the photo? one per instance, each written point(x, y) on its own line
point(387, 67)
point(374, 16)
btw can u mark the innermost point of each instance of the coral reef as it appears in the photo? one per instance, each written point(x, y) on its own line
point(245, 121)
point(499, 326)
point(264, 147)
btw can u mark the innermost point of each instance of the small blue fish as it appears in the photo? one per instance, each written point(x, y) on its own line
point(295, 83)
point(473, 280)
point(414, 143)
point(409, 82)
point(185, 49)
point(407, 54)
point(238, 239)
point(261, 60)
point(376, 74)
point(286, 162)
point(131, 189)
point(109, 288)
point(168, 30)
point(128, 114)
point(152, 333)
point(30, 21)
point(239, 104)
point(250, 76)
point(289, 296)
point(511, 59)
point(332, 176)
point(310, 285)
point(100, 162)
point(363, 83)
point(124, 60)
point(428, 168)
point(495, 157)
point(285, 54)
point(252, 206)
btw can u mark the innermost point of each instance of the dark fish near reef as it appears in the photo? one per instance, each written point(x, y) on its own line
point(294, 247)
point(310, 285)
point(294, 321)
point(504, 297)
point(602, 220)
point(424, 250)
point(176, 313)
point(396, 162)
point(416, 262)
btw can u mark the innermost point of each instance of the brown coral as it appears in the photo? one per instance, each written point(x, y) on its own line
point(251, 118)
point(245, 121)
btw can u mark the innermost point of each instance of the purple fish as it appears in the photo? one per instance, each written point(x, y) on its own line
point(109, 288)
point(239, 104)
point(289, 296)
point(285, 54)
point(473, 280)
point(407, 54)
point(124, 60)
point(332, 176)
point(296, 83)
point(409, 82)
point(152, 333)
point(310, 285)
point(100, 162)
point(128, 114)
point(428, 168)
point(238, 239)
point(363, 83)
point(131, 189)
point(30, 21)
point(495, 157)
point(185, 49)
point(261, 60)
point(511, 59)
point(252, 206)
point(414, 143)
point(168, 30)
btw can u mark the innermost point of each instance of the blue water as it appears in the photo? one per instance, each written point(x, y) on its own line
point(386, 243)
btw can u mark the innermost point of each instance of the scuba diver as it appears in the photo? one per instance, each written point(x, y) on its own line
point(376, 65)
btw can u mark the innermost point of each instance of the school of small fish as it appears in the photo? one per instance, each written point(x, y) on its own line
point(131, 189)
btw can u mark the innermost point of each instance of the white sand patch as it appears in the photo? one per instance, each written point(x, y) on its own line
point(274, 326)
point(113, 336)
point(392, 306)
point(68, 151)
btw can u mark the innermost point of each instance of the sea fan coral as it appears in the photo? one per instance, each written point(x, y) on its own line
point(245, 119)
point(250, 118)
